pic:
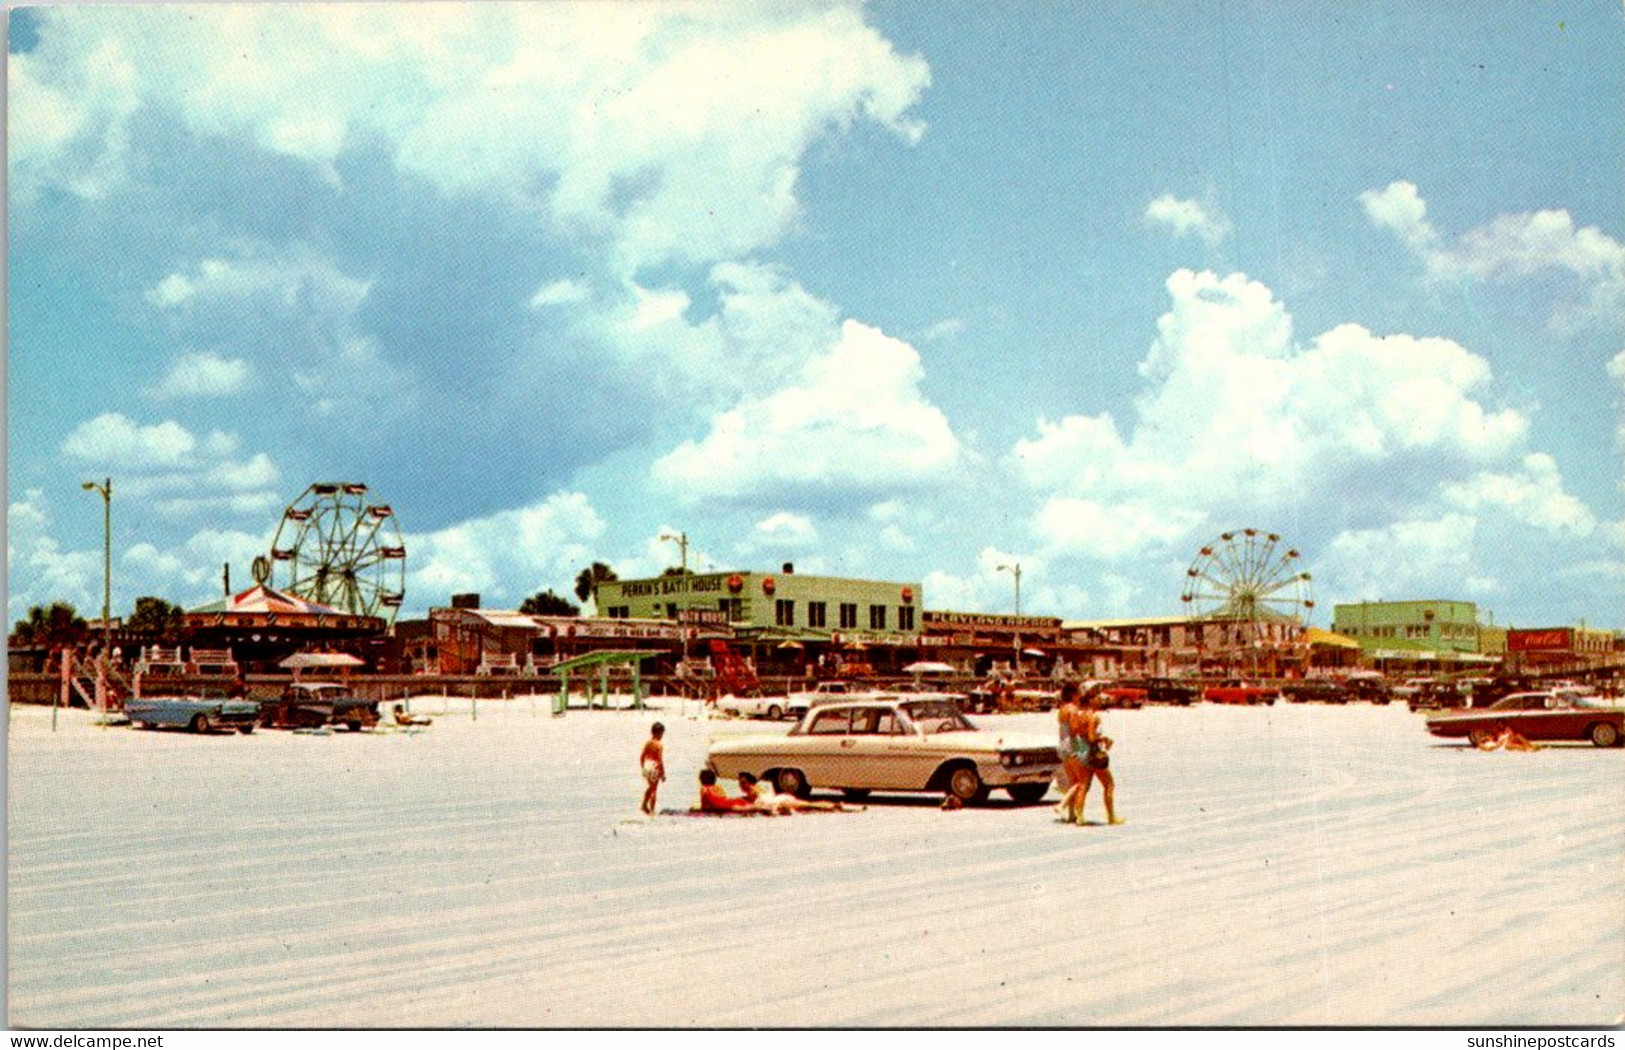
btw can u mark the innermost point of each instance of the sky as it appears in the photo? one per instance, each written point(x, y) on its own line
point(900, 291)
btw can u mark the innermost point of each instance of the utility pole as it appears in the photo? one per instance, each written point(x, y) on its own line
point(681, 539)
point(105, 490)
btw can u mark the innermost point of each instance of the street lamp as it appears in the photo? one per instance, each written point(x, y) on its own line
point(1014, 570)
point(105, 490)
point(681, 539)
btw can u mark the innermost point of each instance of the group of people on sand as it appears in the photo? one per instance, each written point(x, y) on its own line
point(1084, 752)
point(754, 796)
point(1083, 749)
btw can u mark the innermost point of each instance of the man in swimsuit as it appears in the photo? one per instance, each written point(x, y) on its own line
point(1091, 748)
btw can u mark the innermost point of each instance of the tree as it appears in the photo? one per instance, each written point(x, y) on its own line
point(156, 616)
point(676, 570)
point(589, 579)
point(51, 627)
point(546, 603)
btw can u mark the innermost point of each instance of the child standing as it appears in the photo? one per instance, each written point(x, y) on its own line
point(653, 761)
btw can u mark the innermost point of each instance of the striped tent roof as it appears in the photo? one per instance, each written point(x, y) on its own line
point(262, 599)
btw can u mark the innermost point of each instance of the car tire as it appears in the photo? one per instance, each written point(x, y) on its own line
point(1604, 734)
point(791, 782)
point(1480, 737)
point(965, 784)
point(354, 727)
point(854, 794)
point(775, 712)
point(1028, 792)
point(199, 723)
point(246, 728)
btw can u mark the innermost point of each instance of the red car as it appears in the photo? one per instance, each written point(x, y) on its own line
point(1534, 716)
point(1123, 696)
point(1239, 692)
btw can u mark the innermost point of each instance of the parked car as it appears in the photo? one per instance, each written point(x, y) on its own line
point(1315, 691)
point(892, 744)
point(199, 714)
point(1125, 694)
point(1170, 691)
point(1537, 715)
point(1430, 695)
point(307, 705)
point(1237, 691)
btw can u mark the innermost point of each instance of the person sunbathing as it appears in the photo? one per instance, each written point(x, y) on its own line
point(1509, 739)
point(764, 798)
point(406, 718)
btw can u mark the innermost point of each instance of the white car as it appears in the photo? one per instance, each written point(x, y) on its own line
point(793, 704)
point(894, 743)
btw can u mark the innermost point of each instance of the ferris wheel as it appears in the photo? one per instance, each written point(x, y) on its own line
point(1248, 578)
point(335, 547)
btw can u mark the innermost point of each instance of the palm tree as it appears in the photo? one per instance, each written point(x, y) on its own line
point(589, 579)
point(49, 627)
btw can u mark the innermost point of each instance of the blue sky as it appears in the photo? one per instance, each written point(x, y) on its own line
point(897, 290)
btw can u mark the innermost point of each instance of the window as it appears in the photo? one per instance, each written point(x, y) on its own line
point(732, 608)
point(671, 610)
point(784, 612)
point(816, 614)
point(619, 612)
point(877, 617)
point(849, 615)
point(905, 617)
point(830, 723)
point(878, 722)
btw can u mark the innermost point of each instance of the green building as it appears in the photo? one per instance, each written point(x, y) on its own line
point(811, 607)
point(1421, 629)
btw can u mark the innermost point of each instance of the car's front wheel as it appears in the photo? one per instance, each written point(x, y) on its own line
point(1604, 734)
point(246, 728)
point(199, 724)
point(1028, 792)
point(775, 712)
point(965, 784)
point(790, 782)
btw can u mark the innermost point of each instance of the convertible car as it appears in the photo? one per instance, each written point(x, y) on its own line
point(200, 714)
point(892, 744)
point(1541, 715)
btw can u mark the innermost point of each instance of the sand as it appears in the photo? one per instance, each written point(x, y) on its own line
point(1296, 865)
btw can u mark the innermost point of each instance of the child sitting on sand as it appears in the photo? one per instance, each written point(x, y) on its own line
point(762, 796)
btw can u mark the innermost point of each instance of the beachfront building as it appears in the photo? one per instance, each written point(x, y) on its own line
point(1182, 645)
point(1433, 633)
point(1561, 648)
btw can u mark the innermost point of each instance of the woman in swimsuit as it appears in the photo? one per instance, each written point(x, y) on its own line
point(1090, 748)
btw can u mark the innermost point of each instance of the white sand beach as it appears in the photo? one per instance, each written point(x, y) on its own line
point(1282, 866)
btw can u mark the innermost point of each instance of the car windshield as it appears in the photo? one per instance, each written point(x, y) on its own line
point(1521, 702)
point(937, 716)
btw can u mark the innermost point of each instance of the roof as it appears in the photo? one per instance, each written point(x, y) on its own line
point(1316, 636)
point(301, 660)
point(600, 657)
point(262, 599)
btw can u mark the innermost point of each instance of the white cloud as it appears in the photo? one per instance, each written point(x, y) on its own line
point(1532, 493)
point(507, 556)
point(1509, 248)
point(202, 374)
point(785, 529)
point(560, 293)
point(112, 441)
point(855, 419)
point(1616, 369)
point(38, 570)
point(293, 310)
point(673, 131)
point(1431, 556)
point(1238, 421)
point(1187, 217)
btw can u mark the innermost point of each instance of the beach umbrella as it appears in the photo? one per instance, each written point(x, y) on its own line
point(928, 667)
